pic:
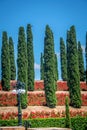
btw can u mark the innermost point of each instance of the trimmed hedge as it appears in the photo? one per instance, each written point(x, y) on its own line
point(78, 123)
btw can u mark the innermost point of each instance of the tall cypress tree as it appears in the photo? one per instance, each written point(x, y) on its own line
point(5, 63)
point(86, 57)
point(56, 68)
point(12, 60)
point(49, 71)
point(22, 63)
point(81, 62)
point(30, 56)
point(42, 67)
point(73, 69)
point(63, 60)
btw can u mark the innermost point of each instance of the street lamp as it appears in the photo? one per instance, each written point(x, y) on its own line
point(19, 89)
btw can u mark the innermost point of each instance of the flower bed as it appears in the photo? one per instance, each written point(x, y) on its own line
point(36, 98)
point(41, 114)
point(8, 99)
point(39, 85)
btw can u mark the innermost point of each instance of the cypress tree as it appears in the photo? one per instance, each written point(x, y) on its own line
point(81, 62)
point(5, 63)
point(42, 67)
point(73, 69)
point(56, 68)
point(86, 57)
point(12, 60)
point(30, 56)
point(67, 119)
point(22, 64)
point(49, 71)
point(56, 71)
point(63, 60)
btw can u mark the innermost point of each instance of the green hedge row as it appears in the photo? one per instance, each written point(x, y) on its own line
point(78, 123)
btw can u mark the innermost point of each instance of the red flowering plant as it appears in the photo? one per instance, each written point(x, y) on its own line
point(0, 86)
point(42, 114)
point(8, 99)
point(62, 86)
point(39, 85)
point(61, 97)
point(36, 98)
point(83, 86)
point(84, 99)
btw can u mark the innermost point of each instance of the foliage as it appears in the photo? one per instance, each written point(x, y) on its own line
point(8, 122)
point(67, 120)
point(22, 64)
point(73, 69)
point(86, 57)
point(81, 62)
point(30, 57)
point(5, 63)
point(78, 123)
point(49, 70)
point(42, 66)
point(63, 60)
point(56, 68)
point(12, 60)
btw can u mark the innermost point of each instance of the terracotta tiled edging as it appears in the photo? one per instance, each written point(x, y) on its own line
point(12, 128)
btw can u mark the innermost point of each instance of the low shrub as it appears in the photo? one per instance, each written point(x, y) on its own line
point(78, 123)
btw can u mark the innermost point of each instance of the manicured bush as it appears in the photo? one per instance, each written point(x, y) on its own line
point(8, 122)
point(78, 123)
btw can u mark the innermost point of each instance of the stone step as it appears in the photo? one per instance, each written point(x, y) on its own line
point(23, 128)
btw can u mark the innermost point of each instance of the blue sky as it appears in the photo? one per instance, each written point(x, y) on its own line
point(59, 14)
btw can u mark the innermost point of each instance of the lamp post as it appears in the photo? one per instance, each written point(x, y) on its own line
point(19, 89)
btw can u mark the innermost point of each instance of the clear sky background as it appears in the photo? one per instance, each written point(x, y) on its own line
point(58, 14)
